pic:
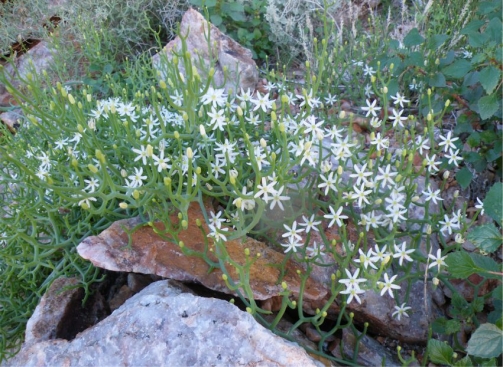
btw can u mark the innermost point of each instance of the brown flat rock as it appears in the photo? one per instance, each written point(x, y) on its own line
point(149, 253)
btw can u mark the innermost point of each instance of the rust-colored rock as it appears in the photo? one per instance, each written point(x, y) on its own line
point(150, 254)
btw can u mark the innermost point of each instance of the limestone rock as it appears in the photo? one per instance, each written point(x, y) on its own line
point(242, 70)
point(163, 326)
point(60, 313)
point(377, 311)
point(12, 119)
point(34, 61)
point(370, 352)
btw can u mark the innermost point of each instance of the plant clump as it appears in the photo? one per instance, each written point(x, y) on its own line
point(285, 165)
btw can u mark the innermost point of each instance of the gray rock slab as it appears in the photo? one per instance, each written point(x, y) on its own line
point(163, 326)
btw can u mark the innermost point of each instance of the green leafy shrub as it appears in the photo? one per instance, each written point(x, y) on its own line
point(469, 77)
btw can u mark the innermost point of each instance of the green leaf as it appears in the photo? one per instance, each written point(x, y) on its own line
point(471, 79)
point(477, 40)
point(462, 264)
point(464, 177)
point(415, 58)
point(472, 27)
point(233, 7)
point(237, 16)
point(439, 352)
point(437, 80)
point(493, 154)
point(464, 362)
point(486, 237)
point(487, 266)
point(477, 160)
point(477, 305)
point(436, 41)
point(478, 58)
point(494, 29)
point(242, 33)
point(458, 69)
point(444, 326)
point(498, 294)
point(489, 363)
point(486, 342)
point(492, 202)
point(216, 19)
point(473, 140)
point(488, 106)
point(486, 7)
point(413, 38)
point(488, 136)
point(489, 78)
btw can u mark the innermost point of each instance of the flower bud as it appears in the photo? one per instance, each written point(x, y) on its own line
point(136, 194)
point(446, 175)
point(123, 205)
point(428, 229)
point(386, 259)
point(202, 131)
point(233, 173)
point(459, 238)
point(238, 202)
point(190, 153)
point(284, 285)
point(435, 281)
point(167, 181)
point(177, 135)
point(385, 90)
point(415, 199)
point(92, 168)
point(100, 156)
point(182, 245)
point(247, 252)
point(342, 114)
point(339, 170)
point(184, 224)
point(71, 99)
point(263, 143)
point(447, 103)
